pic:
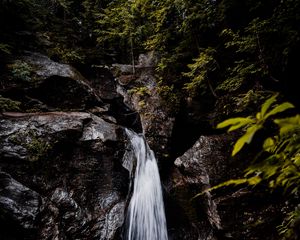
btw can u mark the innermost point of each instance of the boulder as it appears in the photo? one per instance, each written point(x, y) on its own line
point(73, 161)
point(238, 212)
point(42, 85)
point(18, 203)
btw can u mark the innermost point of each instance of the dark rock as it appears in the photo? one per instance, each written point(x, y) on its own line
point(238, 212)
point(32, 136)
point(113, 108)
point(140, 92)
point(192, 175)
point(49, 85)
point(102, 81)
point(18, 204)
point(60, 85)
point(208, 161)
point(80, 176)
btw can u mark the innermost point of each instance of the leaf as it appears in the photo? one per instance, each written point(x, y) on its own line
point(5, 48)
point(254, 180)
point(233, 121)
point(280, 108)
point(243, 123)
point(288, 125)
point(246, 138)
point(267, 105)
point(234, 182)
point(269, 144)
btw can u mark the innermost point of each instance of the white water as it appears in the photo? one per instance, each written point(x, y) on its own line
point(146, 214)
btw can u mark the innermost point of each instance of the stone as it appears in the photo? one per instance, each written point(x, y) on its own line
point(50, 85)
point(140, 92)
point(18, 203)
point(80, 176)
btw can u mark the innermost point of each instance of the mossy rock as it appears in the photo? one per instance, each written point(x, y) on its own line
point(8, 105)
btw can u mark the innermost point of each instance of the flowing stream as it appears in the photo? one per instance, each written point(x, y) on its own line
point(146, 214)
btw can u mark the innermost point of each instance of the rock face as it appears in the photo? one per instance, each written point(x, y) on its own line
point(61, 174)
point(73, 163)
point(19, 203)
point(139, 88)
point(193, 173)
point(42, 85)
point(232, 213)
point(34, 83)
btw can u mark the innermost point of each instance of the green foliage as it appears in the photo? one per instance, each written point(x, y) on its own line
point(286, 228)
point(253, 124)
point(282, 167)
point(140, 91)
point(278, 164)
point(20, 70)
point(66, 54)
point(37, 148)
point(6, 104)
point(199, 71)
point(170, 98)
point(5, 48)
point(233, 182)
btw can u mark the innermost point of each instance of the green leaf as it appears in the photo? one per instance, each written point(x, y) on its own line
point(288, 125)
point(246, 138)
point(269, 145)
point(267, 105)
point(223, 184)
point(233, 121)
point(280, 108)
point(243, 123)
point(5, 48)
point(254, 180)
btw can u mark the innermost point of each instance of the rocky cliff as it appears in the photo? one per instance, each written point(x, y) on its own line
point(62, 146)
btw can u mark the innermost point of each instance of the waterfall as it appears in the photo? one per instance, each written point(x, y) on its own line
point(146, 214)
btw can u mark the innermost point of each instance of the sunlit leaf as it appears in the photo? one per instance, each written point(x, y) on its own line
point(288, 125)
point(243, 123)
point(280, 108)
point(267, 105)
point(246, 138)
point(233, 121)
point(269, 144)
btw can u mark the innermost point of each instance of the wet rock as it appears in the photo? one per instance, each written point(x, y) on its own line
point(199, 167)
point(114, 221)
point(140, 92)
point(102, 81)
point(80, 176)
point(32, 136)
point(114, 110)
point(208, 160)
point(18, 203)
point(48, 85)
point(239, 212)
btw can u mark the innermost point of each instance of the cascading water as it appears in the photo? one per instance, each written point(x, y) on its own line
point(146, 214)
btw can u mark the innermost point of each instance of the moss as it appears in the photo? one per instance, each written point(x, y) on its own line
point(37, 148)
point(6, 104)
point(140, 91)
point(20, 70)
